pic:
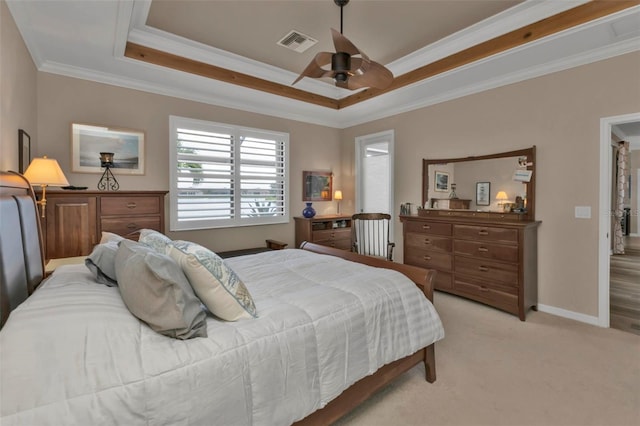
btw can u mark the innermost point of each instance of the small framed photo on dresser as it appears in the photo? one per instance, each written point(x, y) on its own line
point(483, 193)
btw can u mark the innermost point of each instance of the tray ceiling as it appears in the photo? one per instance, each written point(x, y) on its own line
point(225, 52)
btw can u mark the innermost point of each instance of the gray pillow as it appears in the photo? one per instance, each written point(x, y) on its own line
point(102, 263)
point(156, 291)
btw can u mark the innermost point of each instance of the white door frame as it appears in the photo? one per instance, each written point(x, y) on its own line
point(605, 212)
point(359, 145)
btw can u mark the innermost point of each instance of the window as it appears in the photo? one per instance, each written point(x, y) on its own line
point(223, 175)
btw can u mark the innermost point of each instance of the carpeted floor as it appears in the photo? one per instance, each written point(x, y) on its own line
point(493, 369)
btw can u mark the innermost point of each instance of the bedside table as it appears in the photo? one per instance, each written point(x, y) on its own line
point(54, 263)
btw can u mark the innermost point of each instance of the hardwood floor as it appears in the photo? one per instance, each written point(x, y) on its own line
point(625, 288)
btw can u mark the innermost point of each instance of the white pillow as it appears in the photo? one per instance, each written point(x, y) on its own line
point(156, 240)
point(217, 285)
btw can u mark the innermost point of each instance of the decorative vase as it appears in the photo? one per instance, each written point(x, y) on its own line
point(308, 211)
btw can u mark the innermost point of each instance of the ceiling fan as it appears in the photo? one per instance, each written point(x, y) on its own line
point(350, 67)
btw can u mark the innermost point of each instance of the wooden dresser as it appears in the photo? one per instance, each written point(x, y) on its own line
point(486, 259)
point(75, 219)
point(332, 231)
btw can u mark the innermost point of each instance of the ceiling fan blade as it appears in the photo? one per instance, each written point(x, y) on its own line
point(342, 44)
point(375, 75)
point(314, 69)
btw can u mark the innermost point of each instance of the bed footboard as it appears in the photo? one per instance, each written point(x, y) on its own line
point(364, 388)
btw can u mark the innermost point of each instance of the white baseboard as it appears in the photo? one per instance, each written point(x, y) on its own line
point(569, 314)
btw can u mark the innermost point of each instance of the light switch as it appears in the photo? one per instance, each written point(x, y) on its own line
point(583, 212)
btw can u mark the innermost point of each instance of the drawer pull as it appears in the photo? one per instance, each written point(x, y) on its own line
point(131, 205)
point(483, 232)
point(483, 249)
point(483, 269)
point(427, 241)
point(427, 257)
point(426, 226)
point(132, 226)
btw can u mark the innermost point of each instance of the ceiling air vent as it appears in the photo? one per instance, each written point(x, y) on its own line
point(297, 41)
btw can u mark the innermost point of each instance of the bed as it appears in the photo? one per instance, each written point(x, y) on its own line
point(330, 331)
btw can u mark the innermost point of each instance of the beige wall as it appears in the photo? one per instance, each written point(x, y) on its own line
point(63, 100)
point(560, 114)
point(17, 91)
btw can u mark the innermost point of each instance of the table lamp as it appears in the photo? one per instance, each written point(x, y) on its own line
point(338, 196)
point(45, 172)
point(501, 196)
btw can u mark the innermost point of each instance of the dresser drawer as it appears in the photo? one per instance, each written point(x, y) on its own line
point(111, 206)
point(486, 233)
point(508, 253)
point(501, 297)
point(429, 259)
point(505, 273)
point(428, 242)
point(432, 228)
point(126, 224)
point(331, 235)
point(343, 244)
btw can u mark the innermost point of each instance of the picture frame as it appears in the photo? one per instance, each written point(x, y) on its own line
point(317, 186)
point(24, 151)
point(88, 141)
point(441, 181)
point(483, 193)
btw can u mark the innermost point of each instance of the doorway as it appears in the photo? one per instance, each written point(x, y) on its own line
point(608, 126)
point(374, 173)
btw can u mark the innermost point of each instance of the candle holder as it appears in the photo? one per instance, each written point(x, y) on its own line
point(108, 181)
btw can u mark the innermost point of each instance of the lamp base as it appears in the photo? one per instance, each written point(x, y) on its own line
point(108, 181)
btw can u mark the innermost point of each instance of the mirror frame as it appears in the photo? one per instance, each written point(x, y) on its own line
point(530, 153)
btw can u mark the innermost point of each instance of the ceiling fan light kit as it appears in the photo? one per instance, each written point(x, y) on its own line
point(350, 67)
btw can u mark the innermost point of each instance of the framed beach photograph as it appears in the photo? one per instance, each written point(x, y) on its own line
point(317, 186)
point(441, 181)
point(24, 150)
point(88, 141)
point(483, 193)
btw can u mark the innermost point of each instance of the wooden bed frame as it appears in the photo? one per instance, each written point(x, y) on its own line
point(22, 270)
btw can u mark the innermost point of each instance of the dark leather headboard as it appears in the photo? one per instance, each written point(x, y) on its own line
point(21, 255)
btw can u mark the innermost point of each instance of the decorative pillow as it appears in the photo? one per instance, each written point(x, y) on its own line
point(156, 240)
point(155, 290)
point(217, 286)
point(110, 236)
point(102, 263)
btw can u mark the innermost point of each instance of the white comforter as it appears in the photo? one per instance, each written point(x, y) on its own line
point(73, 354)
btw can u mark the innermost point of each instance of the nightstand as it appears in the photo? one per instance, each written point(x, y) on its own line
point(54, 263)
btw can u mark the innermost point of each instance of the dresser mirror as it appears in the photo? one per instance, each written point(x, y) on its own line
point(501, 183)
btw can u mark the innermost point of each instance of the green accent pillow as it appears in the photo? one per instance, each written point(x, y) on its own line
point(217, 285)
point(156, 291)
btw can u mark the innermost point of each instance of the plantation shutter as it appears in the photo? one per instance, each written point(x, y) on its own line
point(226, 176)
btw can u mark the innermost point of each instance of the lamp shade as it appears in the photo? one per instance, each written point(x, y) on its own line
point(337, 195)
point(501, 196)
point(45, 171)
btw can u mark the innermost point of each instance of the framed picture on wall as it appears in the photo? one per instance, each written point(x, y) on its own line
point(441, 181)
point(483, 193)
point(87, 142)
point(24, 150)
point(317, 186)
